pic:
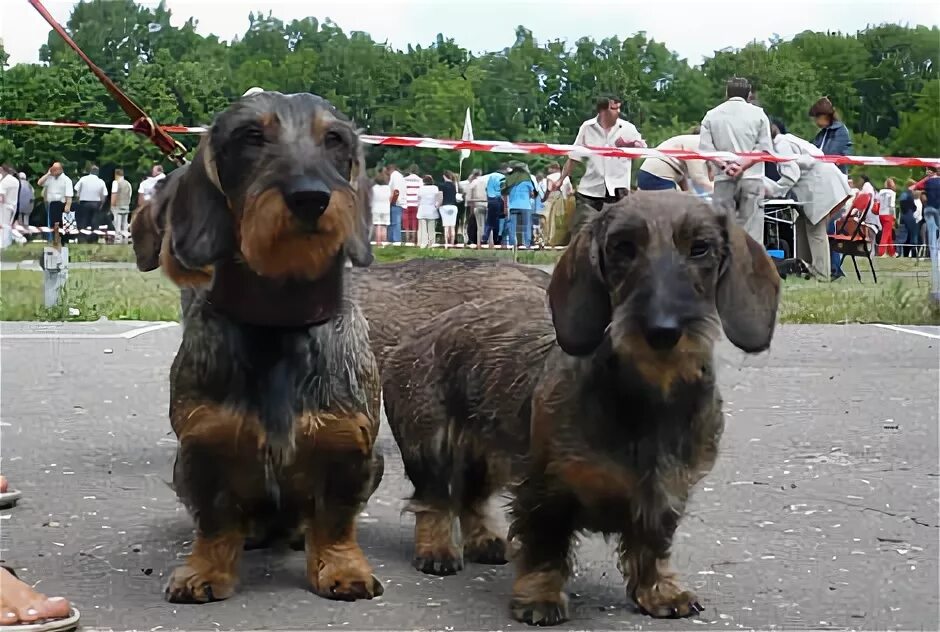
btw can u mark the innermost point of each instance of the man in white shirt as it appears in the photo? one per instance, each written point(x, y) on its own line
point(396, 182)
point(738, 126)
point(57, 193)
point(92, 192)
point(605, 180)
point(9, 197)
point(145, 190)
point(665, 173)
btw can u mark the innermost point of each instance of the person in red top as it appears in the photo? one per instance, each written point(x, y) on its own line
point(409, 222)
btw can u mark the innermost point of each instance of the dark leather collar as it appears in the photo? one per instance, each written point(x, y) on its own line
point(248, 298)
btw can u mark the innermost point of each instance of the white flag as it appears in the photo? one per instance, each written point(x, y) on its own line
point(467, 135)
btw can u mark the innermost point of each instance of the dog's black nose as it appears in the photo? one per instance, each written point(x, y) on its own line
point(307, 198)
point(663, 333)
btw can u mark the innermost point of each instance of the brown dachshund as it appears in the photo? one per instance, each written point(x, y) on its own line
point(601, 407)
point(274, 391)
point(398, 297)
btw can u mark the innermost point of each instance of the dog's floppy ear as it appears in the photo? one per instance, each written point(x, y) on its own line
point(358, 247)
point(577, 293)
point(147, 234)
point(203, 226)
point(149, 223)
point(748, 292)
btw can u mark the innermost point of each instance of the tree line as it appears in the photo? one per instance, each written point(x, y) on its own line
point(883, 80)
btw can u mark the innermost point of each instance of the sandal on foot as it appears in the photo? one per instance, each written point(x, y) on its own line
point(66, 624)
point(9, 498)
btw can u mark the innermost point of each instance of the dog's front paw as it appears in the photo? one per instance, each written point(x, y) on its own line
point(667, 600)
point(447, 561)
point(346, 577)
point(551, 611)
point(187, 585)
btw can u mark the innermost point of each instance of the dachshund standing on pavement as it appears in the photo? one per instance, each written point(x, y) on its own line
point(274, 391)
point(600, 410)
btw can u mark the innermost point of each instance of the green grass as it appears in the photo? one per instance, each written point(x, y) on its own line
point(122, 253)
point(900, 297)
point(110, 253)
point(114, 294)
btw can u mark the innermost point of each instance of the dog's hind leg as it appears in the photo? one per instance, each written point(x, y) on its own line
point(437, 551)
point(337, 473)
point(484, 474)
point(422, 435)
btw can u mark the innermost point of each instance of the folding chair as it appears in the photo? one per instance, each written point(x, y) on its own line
point(850, 239)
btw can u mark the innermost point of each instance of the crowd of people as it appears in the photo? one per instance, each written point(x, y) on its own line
point(511, 206)
point(87, 204)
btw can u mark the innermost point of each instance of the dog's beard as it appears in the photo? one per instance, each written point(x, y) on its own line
point(274, 244)
point(684, 362)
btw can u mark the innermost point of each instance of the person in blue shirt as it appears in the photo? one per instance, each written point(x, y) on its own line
point(834, 140)
point(930, 185)
point(520, 194)
point(495, 211)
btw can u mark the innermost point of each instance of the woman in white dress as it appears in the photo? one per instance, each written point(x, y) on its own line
point(429, 200)
point(381, 207)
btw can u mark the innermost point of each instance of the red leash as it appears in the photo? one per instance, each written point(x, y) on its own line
point(143, 124)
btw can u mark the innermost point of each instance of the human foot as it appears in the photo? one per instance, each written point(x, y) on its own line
point(19, 603)
point(8, 497)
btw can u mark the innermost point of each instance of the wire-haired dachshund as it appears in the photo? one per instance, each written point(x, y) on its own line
point(274, 391)
point(598, 407)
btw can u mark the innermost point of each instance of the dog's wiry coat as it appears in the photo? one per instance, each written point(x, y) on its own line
point(446, 335)
point(275, 390)
point(606, 402)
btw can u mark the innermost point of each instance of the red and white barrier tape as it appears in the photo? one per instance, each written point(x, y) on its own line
point(553, 149)
point(35, 230)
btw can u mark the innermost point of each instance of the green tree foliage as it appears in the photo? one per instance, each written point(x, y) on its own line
point(884, 82)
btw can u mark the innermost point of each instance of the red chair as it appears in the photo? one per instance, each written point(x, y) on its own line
point(853, 238)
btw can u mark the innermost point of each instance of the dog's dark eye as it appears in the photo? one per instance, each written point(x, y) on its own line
point(253, 136)
point(625, 249)
point(336, 145)
point(700, 248)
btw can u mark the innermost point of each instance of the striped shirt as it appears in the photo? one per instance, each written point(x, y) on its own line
point(412, 184)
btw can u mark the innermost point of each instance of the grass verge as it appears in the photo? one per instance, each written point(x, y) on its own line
point(123, 253)
point(900, 297)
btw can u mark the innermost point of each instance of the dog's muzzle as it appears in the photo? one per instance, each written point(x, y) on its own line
point(307, 198)
point(662, 330)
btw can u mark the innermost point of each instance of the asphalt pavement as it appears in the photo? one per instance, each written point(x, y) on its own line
point(821, 512)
